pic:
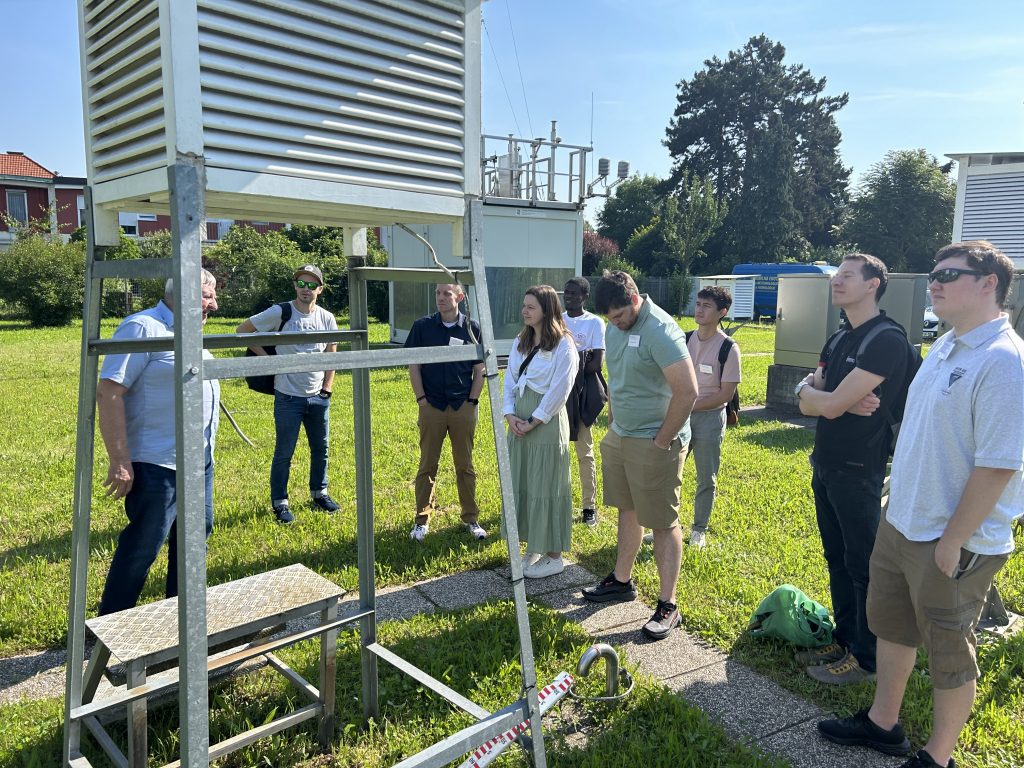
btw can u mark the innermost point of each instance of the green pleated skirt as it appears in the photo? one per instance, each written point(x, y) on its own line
point(540, 480)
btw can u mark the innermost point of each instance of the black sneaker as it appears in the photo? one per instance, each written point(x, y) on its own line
point(326, 503)
point(284, 514)
point(590, 517)
point(611, 590)
point(923, 760)
point(859, 730)
point(665, 619)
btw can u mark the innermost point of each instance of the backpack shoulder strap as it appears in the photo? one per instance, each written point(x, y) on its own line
point(833, 342)
point(286, 313)
point(688, 334)
point(723, 352)
point(874, 333)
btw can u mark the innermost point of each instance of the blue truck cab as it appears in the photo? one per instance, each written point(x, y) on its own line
point(766, 286)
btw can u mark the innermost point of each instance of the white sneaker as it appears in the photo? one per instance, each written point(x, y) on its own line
point(698, 540)
point(546, 566)
point(419, 532)
point(476, 531)
point(529, 558)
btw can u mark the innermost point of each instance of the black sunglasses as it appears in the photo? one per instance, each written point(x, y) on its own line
point(951, 274)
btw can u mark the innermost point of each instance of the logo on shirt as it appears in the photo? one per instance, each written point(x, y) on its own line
point(956, 375)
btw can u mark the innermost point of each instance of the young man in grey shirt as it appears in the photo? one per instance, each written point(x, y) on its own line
point(956, 488)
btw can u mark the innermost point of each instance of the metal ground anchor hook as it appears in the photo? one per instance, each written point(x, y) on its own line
point(614, 677)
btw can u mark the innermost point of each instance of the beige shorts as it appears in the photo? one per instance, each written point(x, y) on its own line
point(640, 476)
point(911, 603)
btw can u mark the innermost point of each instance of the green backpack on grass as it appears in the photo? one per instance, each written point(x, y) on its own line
point(791, 615)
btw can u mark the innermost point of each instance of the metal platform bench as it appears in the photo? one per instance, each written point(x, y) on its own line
point(144, 637)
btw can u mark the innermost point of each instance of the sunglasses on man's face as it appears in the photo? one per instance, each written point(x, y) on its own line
point(311, 284)
point(952, 274)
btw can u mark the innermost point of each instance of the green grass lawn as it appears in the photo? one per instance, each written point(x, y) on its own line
point(762, 534)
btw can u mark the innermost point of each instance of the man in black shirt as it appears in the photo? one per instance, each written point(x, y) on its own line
point(850, 393)
point(447, 395)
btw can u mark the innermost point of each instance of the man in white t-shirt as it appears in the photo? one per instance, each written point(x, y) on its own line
point(589, 393)
point(956, 487)
point(716, 382)
point(300, 399)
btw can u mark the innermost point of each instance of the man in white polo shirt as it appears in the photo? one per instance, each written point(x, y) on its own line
point(956, 488)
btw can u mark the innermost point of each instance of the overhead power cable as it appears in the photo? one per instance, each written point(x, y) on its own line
point(522, 83)
point(501, 77)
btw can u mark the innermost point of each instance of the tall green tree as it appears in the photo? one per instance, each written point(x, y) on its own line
point(636, 201)
point(902, 212)
point(765, 223)
point(701, 214)
point(657, 248)
point(723, 110)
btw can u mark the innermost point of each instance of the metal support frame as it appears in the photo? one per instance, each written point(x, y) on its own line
point(187, 192)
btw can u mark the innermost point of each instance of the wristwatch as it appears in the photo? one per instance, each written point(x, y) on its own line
point(473, 400)
point(803, 383)
point(325, 394)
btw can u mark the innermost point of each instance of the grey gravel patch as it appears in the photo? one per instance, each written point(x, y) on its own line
point(573, 575)
point(805, 748)
point(33, 676)
point(597, 618)
point(746, 704)
point(463, 590)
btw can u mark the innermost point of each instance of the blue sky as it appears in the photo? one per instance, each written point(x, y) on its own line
point(941, 75)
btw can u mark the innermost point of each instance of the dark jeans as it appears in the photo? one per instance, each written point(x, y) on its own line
point(289, 414)
point(849, 505)
point(152, 512)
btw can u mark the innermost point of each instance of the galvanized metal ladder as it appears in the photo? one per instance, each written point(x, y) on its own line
point(186, 184)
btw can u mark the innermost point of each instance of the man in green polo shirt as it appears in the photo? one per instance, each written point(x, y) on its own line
point(652, 389)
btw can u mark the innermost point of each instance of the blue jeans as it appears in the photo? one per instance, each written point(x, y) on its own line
point(849, 505)
point(151, 507)
point(289, 414)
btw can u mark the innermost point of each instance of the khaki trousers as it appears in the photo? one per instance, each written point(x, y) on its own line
point(588, 467)
point(459, 426)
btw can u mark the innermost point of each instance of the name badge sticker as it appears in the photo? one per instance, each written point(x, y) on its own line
point(705, 368)
point(454, 342)
point(634, 340)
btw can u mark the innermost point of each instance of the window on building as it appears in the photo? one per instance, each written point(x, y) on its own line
point(81, 210)
point(17, 205)
point(147, 217)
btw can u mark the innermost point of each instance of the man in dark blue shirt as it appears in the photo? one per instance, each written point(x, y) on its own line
point(448, 396)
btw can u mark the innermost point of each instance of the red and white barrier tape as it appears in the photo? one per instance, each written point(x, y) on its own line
point(547, 697)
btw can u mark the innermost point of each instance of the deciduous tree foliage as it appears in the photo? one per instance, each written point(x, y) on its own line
point(902, 212)
point(634, 204)
point(726, 108)
point(595, 249)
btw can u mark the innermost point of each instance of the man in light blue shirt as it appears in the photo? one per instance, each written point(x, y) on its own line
point(135, 397)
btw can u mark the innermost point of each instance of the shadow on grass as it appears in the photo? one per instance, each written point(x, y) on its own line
point(785, 438)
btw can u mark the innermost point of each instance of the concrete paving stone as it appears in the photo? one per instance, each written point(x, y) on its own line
point(462, 590)
point(573, 576)
point(596, 618)
point(676, 655)
point(804, 748)
point(401, 603)
point(746, 704)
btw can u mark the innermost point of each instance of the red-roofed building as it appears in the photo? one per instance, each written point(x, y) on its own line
point(28, 190)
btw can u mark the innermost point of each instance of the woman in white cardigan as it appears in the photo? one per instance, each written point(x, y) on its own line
point(541, 370)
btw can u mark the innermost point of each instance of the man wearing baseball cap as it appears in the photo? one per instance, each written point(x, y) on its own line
point(300, 399)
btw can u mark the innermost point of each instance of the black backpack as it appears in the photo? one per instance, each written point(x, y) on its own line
point(265, 384)
point(732, 408)
point(892, 410)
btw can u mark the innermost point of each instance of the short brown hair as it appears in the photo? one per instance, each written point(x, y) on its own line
point(871, 266)
point(717, 294)
point(615, 289)
point(984, 257)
